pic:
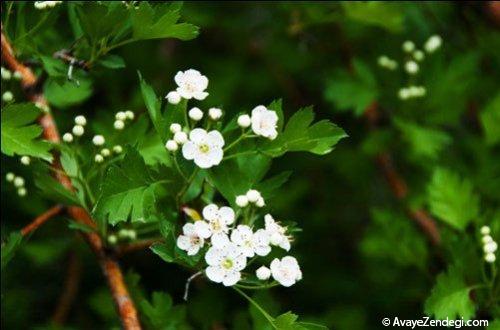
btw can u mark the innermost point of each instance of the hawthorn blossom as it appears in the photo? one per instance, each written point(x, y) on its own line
point(264, 122)
point(192, 84)
point(225, 264)
point(173, 97)
point(190, 241)
point(204, 148)
point(251, 243)
point(263, 273)
point(286, 271)
point(277, 233)
point(218, 221)
point(244, 121)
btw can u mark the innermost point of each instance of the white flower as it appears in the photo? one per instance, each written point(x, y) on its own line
point(490, 247)
point(387, 63)
point(190, 241)
point(241, 200)
point(286, 271)
point(40, 4)
point(120, 115)
point(118, 124)
point(80, 120)
point(411, 67)
point(260, 202)
point(130, 115)
point(78, 130)
point(18, 182)
point(215, 113)
point(22, 191)
point(175, 127)
point(277, 233)
point(10, 177)
point(98, 140)
point(218, 220)
point(192, 84)
point(486, 239)
point(263, 273)
point(251, 243)
point(264, 122)
point(244, 121)
point(433, 43)
point(490, 258)
point(7, 96)
point(171, 145)
point(225, 264)
point(485, 230)
point(98, 158)
point(173, 97)
point(253, 195)
point(408, 46)
point(25, 160)
point(68, 137)
point(117, 149)
point(204, 148)
point(105, 152)
point(195, 114)
point(180, 137)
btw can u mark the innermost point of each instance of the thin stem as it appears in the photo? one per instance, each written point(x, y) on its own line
point(239, 154)
point(238, 140)
point(188, 282)
point(41, 219)
point(260, 309)
point(176, 163)
point(186, 186)
point(257, 287)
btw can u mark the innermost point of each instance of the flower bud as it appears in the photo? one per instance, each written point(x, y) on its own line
point(263, 273)
point(244, 121)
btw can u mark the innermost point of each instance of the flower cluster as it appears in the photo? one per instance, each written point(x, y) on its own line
point(18, 183)
point(121, 117)
point(264, 122)
point(230, 244)
point(252, 196)
point(489, 245)
point(46, 4)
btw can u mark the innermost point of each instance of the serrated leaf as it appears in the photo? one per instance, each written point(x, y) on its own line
point(10, 247)
point(452, 199)
point(99, 20)
point(160, 22)
point(162, 314)
point(67, 93)
point(153, 104)
point(450, 297)
point(19, 134)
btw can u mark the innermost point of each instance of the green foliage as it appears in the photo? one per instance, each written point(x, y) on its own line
point(11, 246)
point(19, 134)
point(162, 314)
point(382, 14)
point(490, 119)
point(452, 199)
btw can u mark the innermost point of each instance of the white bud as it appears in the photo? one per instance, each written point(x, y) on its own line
point(175, 127)
point(78, 130)
point(17, 75)
point(171, 145)
point(490, 258)
point(118, 124)
point(408, 46)
point(490, 247)
point(130, 115)
point(260, 202)
point(215, 113)
point(241, 200)
point(253, 195)
point(411, 67)
point(6, 74)
point(40, 5)
point(10, 177)
point(180, 137)
point(403, 93)
point(105, 152)
point(7, 96)
point(418, 55)
point(112, 239)
point(120, 115)
point(263, 273)
point(18, 182)
point(98, 140)
point(22, 191)
point(80, 120)
point(68, 137)
point(25, 160)
point(173, 97)
point(98, 158)
point(244, 121)
point(486, 239)
point(195, 114)
point(117, 149)
point(485, 230)
point(433, 43)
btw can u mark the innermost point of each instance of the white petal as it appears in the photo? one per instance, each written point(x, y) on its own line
point(198, 135)
point(215, 139)
point(203, 161)
point(210, 212)
point(183, 242)
point(189, 150)
point(202, 229)
point(231, 278)
point(262, 250)
point(215, 155)
point(179, 78)
point(184, 93)
point(189, 229)
point(215, 274)
point(200, 95)
point(214, 256)
point(193, 249)
point(219, 240)
point(285, 243)
point(226, 214)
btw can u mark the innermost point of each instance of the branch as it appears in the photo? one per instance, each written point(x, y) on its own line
point(109, 265)
point(136, 246)
point(397, 183)
point(70, 289)
point(41, 219)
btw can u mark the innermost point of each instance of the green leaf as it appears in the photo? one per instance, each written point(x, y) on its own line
point(54, 67)
point(153, 104)
point(490, 119)
point(452, 200)
point(352, 91)
point(164, 251)
point(160, 22)
point(230, 180)
point(288, 321)
point(54, 190)
point(450, 297)
point(127, 191)
point(10, 248)
point(301, 135)
point(112, 62)
point(494, 325)
point(162, 314)
point(100, 20)
point(386, 15)
point(67, 93)
point(19, 134)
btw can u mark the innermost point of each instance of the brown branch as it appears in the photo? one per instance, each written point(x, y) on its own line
point(41, 219)
point(398, 185)
point(70, 290)
point(136, 246)
point(109, 265)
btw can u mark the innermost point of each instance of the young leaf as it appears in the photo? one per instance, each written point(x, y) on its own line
point(19, 134)
point(450, 297)
point(162, 314)
point(451, 199)
point(153, 104)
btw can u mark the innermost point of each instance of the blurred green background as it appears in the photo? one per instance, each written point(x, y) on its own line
point(361, 257)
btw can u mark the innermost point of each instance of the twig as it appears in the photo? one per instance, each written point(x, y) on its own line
point(188, 282)
point(70, 290)
point(41, 219)
point(136, 246)
point(110, 267)
point(398, 185)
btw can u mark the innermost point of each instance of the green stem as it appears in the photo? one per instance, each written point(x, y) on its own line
point(260, 309)
point(239, 154)
point(238, 140)
point(179, 168)
point(186, 186)
point(257, 287)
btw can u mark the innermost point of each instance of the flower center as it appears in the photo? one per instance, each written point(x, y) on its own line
point(227, 264)
point(204, 148)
